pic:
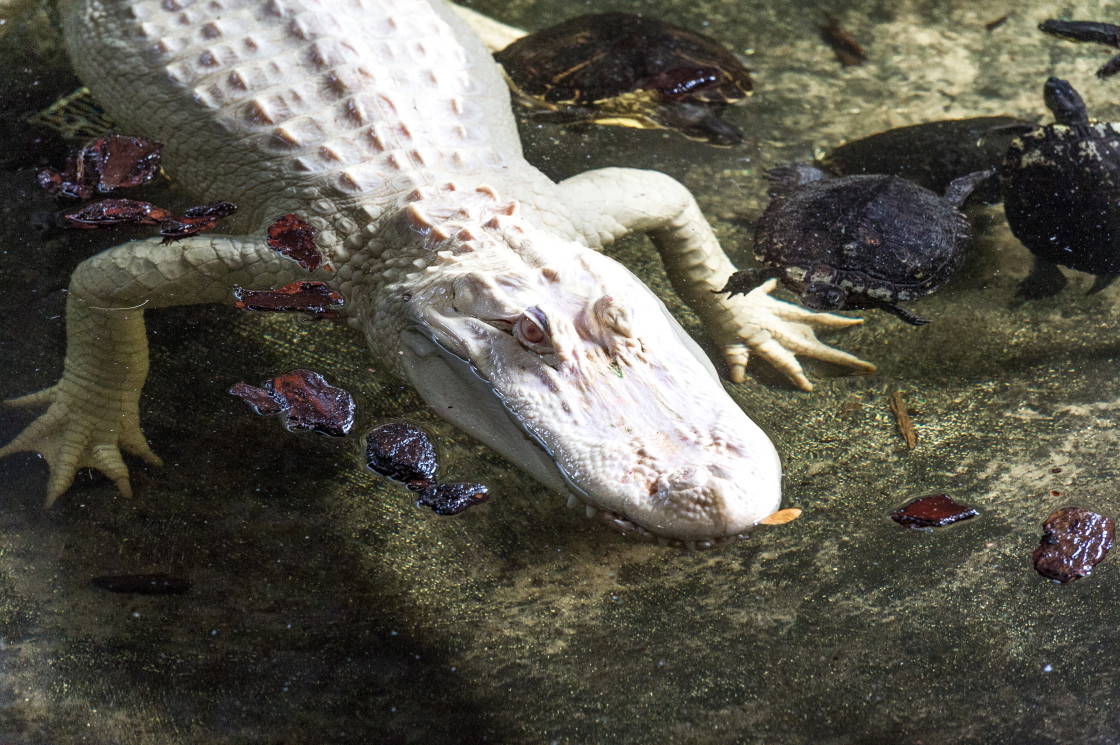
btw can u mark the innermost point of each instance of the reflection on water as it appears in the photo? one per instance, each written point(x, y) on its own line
point(324, 607)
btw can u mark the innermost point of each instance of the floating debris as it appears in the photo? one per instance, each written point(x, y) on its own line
point(308, 296)
point(294, 238)
point(402, 452)
point(935, 511)
point(995, 23)
point(116, 212)
point(1074, 540)
point(143, 584)
point(405, 453)
point(847, 49)
point(902, 419)
point(305, 400)
point(105, 164)
point(451, 499)
point(195, 220)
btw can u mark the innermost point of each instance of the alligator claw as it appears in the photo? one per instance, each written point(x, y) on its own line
point(777, 331)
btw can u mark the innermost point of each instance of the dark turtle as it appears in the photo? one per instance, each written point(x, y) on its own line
point(1061, 194)
point(626, 69)
point(858, 241)
point(1091, 31)
point(932, 154)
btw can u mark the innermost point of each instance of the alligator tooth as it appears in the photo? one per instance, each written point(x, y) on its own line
point(690, 545)
point(589, 511)
point(572, 502)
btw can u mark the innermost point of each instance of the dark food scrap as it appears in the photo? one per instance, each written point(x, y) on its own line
point(310, 296)
point(143, 584)
point(451, 499)
point(105, 164)
point(1074, 540)
point(294, 238)
point(261, 400)
point(402, 452)
point(995, 23)
point(932, 512)
point(902, 419)
point(932, 154)
point(116, 212)
point(1091, 31)
point(1061, 194)
point(630, 70)
point(858, 241)
point(306, 401)
point(847, 49)
point(195, 220)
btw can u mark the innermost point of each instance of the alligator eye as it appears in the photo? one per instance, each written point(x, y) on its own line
point(531, 328)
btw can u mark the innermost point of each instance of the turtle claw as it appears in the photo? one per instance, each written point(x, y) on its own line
point(778, 331)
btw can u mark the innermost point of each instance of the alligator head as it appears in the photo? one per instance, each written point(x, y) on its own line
point(566, 363)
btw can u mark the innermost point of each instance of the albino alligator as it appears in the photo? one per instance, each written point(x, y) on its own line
point(386, 125)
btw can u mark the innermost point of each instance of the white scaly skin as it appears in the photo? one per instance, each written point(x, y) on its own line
point(386, 125)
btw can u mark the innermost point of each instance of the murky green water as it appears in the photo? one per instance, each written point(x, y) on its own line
point(326, 608)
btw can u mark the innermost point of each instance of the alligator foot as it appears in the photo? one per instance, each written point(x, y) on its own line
point(79, 430)
point(777, 331)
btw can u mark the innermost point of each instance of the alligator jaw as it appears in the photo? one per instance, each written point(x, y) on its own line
point(563, 361)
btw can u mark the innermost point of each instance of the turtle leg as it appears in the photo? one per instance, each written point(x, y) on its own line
point(608, 203)
point(906, 315)
point(1045, 279)
point(93, 412)
point(745, 280)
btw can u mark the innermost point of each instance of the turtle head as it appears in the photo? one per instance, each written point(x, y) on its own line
point(1065, 103)
point(824, 296)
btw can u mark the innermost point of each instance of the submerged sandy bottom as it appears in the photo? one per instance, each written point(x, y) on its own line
point(326, 608)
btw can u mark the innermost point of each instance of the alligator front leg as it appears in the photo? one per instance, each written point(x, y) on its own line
point(611, 202)
point(93, 410)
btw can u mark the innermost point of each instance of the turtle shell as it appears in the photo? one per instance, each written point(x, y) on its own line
point(627, 69)
point(880, 238)
point(1061, 195)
